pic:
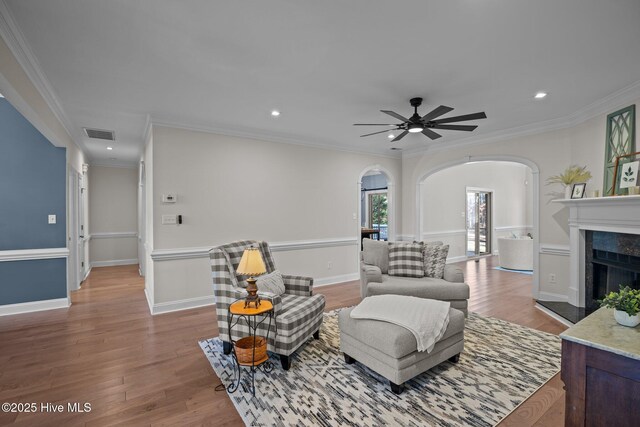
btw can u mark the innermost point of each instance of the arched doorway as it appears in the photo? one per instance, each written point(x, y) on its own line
point(376, 207)
point(422, 203)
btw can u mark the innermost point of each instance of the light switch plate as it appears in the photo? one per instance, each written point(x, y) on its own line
point(169, 198)
point(52, 219)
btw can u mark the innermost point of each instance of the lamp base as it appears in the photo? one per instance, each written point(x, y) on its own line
point(252, 294)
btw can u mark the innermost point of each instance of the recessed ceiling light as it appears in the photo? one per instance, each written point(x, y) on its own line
point(109, 148)
point(391, 136)
point(540, 95)
point(275, 113)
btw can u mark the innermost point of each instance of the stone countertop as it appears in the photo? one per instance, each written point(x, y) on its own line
point(600, 330)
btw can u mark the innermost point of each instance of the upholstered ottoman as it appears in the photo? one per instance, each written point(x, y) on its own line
point(391, 350)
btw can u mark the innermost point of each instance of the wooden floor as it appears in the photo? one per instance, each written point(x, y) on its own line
point(135, 369)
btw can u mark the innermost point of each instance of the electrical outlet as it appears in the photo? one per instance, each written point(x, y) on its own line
point(329, 265)
point(52, 219)
point(169, 220)
point(552, 278)
point(355, 215)
point(462, 214)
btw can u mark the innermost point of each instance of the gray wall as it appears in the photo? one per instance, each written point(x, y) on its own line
point(32, 186)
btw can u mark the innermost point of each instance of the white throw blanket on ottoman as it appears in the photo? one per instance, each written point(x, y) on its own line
point(427, 319)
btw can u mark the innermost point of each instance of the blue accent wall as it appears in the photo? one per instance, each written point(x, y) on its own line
point(32, 186)
point(33, 280)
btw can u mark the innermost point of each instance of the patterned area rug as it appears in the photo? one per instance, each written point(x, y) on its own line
point(501, 366)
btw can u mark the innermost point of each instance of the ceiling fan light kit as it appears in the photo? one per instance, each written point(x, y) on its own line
point(425, 124)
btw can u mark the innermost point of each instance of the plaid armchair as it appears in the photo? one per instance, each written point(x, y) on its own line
point(297, 312)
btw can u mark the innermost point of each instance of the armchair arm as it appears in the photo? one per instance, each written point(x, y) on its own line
point(453, 274)
point(368, 273)
point(298, 285)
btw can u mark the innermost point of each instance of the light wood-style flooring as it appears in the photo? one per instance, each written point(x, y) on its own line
point(138, 369)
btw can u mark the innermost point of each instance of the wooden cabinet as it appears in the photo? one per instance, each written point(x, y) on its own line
point(602, 388)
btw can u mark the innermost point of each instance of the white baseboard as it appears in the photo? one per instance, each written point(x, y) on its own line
point(114, 262)
point(185, 304)
point(550, 296)
point(457, 259)
point(336, 279)
point(554, 315)
point(30, 307)
point(86, 274)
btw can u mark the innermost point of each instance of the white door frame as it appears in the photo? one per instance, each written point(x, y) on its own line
point(391, 207)
point(535, 187)
point(74, 270)
point(466, 219)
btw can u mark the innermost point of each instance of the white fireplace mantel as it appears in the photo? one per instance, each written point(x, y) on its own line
point(618, 214)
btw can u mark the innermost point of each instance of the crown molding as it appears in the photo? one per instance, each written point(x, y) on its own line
point(17, 43)
point(612, 102)
point(263, 136)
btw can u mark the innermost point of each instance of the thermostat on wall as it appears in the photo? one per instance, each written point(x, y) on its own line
point(169, 198)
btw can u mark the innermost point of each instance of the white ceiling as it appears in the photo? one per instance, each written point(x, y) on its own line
point(325, 64)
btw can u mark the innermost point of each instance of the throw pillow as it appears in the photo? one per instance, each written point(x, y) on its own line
point(271, 282)
point(376, 252)
point(435, 258)
point(406, 259)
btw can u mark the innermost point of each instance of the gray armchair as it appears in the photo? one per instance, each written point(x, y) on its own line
point(298, 313)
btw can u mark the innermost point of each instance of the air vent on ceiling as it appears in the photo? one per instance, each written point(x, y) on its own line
point(109, 135)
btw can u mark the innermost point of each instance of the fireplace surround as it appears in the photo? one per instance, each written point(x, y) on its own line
point(604, 244)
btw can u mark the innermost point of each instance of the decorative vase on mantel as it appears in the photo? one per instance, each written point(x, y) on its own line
point(567, 191)
point(625, 320)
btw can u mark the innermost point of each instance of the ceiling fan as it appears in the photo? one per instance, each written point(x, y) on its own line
point(426, 123)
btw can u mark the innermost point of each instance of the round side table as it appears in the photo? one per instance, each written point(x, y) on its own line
point(254, 318)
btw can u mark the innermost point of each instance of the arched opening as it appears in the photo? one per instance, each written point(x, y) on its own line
point(376, 209)
point(477, 204)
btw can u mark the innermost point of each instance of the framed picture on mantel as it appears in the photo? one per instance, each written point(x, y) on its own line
point(625, 173)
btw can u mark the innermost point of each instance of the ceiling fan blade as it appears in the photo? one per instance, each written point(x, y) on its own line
point(474, 116)
point(373, 124)
point(375, 133)
point(431, 134)
point(399, 137)
point(396, 115)
point(443, 109)
point(467, 128)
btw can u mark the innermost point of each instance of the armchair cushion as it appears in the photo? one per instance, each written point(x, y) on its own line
point(406, 260)
point(271, 282)
point(435, 258)
point(376, 252)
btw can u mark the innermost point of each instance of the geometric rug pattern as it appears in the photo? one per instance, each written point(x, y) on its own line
point(501, 366)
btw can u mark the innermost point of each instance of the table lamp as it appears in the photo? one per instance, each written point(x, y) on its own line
point(251, 264)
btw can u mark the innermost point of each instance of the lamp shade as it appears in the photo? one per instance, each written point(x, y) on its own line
point(251, 263)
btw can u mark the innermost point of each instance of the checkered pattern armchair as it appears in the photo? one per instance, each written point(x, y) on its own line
point(297, 312)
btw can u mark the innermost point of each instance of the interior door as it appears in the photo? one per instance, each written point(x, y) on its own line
point(478, 223)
